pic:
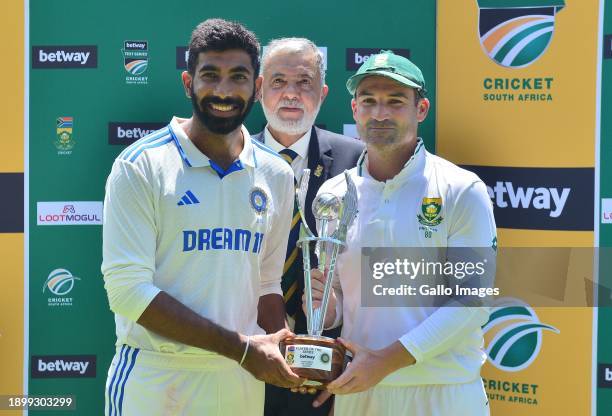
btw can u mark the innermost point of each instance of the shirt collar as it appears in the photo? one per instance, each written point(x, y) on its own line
point(300, 146)
point(192, 155)
point(414, 164)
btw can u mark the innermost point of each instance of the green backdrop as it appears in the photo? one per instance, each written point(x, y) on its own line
point(95, 97)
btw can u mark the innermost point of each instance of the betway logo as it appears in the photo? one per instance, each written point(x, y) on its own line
point(64, 56)
point(505, 194)
point(357, 56)
point(63, 366)
point(540, 198)
point(124, 133)
point(605, 376)
point(135, 45)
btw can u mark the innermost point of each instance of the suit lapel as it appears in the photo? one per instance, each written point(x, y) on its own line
point(319, 162)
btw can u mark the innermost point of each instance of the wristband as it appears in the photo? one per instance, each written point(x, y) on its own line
point(246, 348)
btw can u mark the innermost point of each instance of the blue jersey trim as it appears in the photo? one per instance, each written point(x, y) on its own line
point(266, 148)
point(236, 166)
point(151, 146)
point(179, 147)
point(145, 140)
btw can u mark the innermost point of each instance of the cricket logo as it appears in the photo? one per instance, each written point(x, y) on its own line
point(430, 208)
point(60, 282)
point(517, 338)
point(64, 141)
point(515, 33)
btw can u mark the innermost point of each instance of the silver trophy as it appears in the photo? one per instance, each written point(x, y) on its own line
point(315, 357)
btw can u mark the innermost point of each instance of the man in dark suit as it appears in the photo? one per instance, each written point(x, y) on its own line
point(293, 90)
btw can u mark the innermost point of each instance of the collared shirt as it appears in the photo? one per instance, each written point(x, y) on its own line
point(214, 239)
point(300, 147)
point(446, 342)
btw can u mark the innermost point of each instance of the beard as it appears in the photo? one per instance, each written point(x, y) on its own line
point(290, 126)
point(221, 125)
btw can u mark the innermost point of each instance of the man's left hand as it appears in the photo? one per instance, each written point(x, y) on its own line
point(366, 370)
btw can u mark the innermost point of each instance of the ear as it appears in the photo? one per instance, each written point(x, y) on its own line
point(187, 80)
point(354, 108)
point(422, 109)
point(258, 84)
point(324, 92)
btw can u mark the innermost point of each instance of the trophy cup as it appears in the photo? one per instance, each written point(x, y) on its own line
point(317, 358)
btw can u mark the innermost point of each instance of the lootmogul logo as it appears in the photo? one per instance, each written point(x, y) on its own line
point(514, 33)
point(69, 213)
point(136, 61)
point(518, 338)
point(59, 283)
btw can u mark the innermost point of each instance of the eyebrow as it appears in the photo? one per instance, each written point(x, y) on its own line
point(281, 74)
point(395, 94)
point(214, 68)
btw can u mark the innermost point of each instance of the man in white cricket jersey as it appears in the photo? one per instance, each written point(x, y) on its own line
point(422, 361)
point(196, 219)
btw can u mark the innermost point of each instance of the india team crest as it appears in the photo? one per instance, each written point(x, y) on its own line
point(430, 208)
point(515, 33)
point(259, 200)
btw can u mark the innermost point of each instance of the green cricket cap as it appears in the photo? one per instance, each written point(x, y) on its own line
point(387, 64)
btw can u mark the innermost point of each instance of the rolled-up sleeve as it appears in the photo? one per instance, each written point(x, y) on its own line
point(129, 241)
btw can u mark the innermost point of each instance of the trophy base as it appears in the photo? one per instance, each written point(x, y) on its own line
point(318, 359)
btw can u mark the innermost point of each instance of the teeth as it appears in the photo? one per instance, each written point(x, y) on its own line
point(222, 107)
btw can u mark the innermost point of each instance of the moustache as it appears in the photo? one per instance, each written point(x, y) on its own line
point(290, 103)
point(385, 124)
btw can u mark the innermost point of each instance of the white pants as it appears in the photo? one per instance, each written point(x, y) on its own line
point(147, 383)
point(467, 399)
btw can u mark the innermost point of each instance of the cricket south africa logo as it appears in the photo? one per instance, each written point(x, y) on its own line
point(516, 335)
point(515, 33)
point(136, 61)
point(64, 142)
point(430, 212)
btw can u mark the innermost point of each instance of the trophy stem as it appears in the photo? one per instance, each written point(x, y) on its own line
point(326, 290)
point(307, 286)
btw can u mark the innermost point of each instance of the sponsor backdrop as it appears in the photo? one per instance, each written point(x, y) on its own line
point(518, 108)
point(516, 104)
point(96, 88)
point(11, 210)
point(604, 368)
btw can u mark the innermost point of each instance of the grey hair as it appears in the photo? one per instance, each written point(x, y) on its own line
point(296, 44)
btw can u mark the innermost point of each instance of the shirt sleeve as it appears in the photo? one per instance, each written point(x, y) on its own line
point(473, 229)
point(129, 241)
point(275, 243)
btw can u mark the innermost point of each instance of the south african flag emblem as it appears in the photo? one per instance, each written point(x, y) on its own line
point(515, 33)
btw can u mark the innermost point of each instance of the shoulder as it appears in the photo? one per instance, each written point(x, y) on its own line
point(155, 142)
point(451, 174)
point(268, 160)
point(462, 187)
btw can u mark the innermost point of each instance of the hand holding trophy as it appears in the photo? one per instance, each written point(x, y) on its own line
point(317, 358)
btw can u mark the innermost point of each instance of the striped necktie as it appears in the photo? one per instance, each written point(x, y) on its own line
point(291, 270)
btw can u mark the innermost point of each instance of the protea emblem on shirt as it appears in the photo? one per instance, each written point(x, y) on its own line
point(430, 210)
point(515, 33)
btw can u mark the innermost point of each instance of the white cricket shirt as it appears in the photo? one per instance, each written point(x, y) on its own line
point(213, 239)
point(446, 342)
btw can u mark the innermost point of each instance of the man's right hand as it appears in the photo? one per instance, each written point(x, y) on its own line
point(266, 363)
point(318, 284)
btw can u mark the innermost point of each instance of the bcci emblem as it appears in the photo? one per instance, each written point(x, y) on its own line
point(430, 208)
point(135, 61)
point(259, 200)
point(514, 33)
point(64, 141)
